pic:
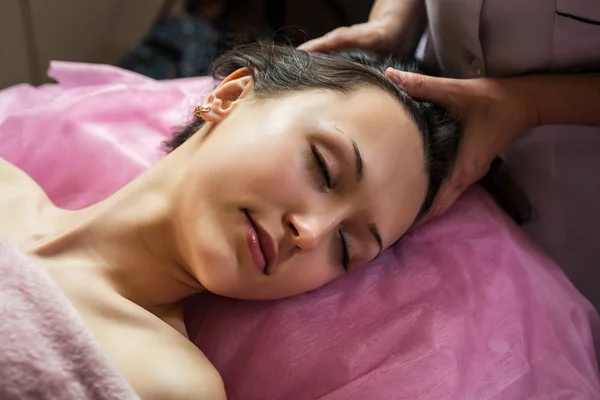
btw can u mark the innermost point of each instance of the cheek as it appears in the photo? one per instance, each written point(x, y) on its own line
point(243, 156)
point(273, 176)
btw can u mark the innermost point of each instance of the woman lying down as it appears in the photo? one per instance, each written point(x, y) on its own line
point(301, 168)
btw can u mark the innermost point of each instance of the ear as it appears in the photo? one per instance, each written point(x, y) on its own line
point(223, 100)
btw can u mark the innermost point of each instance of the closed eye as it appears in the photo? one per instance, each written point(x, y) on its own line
point(320, 160)
point(345, 251)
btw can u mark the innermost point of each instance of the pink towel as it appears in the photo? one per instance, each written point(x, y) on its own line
point(46, 352)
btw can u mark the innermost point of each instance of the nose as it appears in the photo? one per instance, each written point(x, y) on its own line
point(307, 232)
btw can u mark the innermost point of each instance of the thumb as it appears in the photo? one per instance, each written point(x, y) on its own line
point(446, 197)
point(446, 200)
point(422, 87)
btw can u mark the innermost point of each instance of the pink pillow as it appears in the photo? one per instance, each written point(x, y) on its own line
point(465, 308)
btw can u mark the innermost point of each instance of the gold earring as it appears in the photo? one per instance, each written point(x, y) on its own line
point(203, 109)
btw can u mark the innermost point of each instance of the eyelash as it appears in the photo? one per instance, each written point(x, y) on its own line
point(345, 252)
point(322, 166)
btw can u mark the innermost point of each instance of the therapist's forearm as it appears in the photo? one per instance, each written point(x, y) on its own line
point(410, 15)
point(565, 99)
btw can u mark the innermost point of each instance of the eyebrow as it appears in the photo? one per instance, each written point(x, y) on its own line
point(359, 161)
point(357, 155)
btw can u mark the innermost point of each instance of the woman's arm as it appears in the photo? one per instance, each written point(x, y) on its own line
point(394, 27)
point(176, 371)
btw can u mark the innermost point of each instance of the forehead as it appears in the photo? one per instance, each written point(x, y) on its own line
point(395, 180)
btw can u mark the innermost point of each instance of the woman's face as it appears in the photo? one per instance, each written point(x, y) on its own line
point(284, 195)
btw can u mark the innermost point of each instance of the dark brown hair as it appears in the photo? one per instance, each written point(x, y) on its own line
point(279, 70)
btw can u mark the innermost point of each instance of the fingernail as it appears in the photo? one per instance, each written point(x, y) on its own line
point(396, 77)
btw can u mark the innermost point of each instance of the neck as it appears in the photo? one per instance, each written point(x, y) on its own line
point(127, 240)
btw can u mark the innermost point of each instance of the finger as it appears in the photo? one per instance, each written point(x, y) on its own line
point(357, 36)
point(333, 40)
point(448, 194)
point(316, 45)
point(421, 86)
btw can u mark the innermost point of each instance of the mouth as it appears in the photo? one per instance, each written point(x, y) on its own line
point(261, 245)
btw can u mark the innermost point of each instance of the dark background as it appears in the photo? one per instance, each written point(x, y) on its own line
point(187, 36)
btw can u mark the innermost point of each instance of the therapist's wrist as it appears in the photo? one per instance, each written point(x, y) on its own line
point(401, 22)
point(565, 99)
point(526, 92)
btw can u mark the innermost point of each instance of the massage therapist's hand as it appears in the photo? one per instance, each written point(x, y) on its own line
point(492, 112)
point(394, 27)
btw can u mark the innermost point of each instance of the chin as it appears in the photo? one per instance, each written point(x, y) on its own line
point(260, 292)
point(216, 274)
point(241, 290)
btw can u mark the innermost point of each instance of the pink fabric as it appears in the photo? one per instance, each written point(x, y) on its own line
point(46, 351)
point(465, 308)
point(106, 122)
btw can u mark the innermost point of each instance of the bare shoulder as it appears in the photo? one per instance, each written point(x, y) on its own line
point(15, 182)
point(183, 372)
point(22, 201)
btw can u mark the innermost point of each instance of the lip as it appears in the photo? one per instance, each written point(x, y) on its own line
point(261, 245)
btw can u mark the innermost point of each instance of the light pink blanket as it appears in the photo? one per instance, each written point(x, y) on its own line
point(467, 308)
point(46, 352)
